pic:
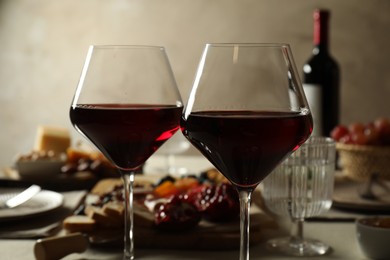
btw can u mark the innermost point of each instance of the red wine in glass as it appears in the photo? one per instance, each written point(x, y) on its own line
point(127, 134)
point(246, 112)
point(246, 145)
point(127, 104)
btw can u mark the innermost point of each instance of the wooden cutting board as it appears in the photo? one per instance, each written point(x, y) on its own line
point(207, 235)
point(219, 236)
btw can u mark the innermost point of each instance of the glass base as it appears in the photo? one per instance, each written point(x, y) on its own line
point(296, 247)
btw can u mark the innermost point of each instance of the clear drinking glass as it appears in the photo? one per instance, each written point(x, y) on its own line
point(301, 187)
point(127, 104)
point(245, 114)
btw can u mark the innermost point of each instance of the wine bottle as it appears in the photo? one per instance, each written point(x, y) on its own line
point(321, 78)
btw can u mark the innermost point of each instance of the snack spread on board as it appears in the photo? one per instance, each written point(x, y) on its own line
point(205, 205)
point(174, 204)
point(53, 150)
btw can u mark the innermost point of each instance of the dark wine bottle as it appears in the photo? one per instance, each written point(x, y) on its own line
point(321, 78)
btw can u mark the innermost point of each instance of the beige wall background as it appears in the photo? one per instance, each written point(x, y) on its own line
point(44, 43)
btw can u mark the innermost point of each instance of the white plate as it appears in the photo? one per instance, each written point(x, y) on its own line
point(42, 202)
point(346, 196)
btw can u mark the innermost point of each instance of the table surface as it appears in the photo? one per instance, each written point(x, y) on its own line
point(340, 235)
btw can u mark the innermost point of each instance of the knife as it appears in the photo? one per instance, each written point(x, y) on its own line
point(22, 197)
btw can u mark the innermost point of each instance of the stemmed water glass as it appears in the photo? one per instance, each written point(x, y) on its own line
point(245, 114)
point(127, 104)
point(299, 188)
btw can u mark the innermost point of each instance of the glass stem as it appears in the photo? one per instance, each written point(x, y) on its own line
point(128, 180)
point(297, 230)
point(245, 203)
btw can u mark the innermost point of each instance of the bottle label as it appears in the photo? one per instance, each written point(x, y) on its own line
point(313, 94)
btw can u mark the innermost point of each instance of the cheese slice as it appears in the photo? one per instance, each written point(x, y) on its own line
point(50, 138)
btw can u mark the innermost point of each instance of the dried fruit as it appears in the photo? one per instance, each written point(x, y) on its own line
point(176, 214)
point(218, 202)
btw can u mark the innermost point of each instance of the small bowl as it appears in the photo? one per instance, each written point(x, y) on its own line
point(39, 170)
point(373, 235)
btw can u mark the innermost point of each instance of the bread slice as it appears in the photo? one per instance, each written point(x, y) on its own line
point(114, 210)
point(79, 223)
point(104, 220)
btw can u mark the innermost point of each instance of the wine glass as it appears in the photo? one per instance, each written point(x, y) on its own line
point(127, 104)
point(245, 114)
point(302, 187)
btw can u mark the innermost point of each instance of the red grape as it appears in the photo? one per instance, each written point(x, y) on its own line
point(356, 128)
point(359, 138)
point(346, 139)
point(372, 135)
point(339, 132)
point(382, 125)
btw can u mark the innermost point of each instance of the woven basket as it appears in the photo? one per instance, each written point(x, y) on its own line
point(359, 162)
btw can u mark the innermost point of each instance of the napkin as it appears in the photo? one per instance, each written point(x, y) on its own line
point(47, 224)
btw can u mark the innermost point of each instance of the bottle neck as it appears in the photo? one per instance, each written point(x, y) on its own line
point(321, 31)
